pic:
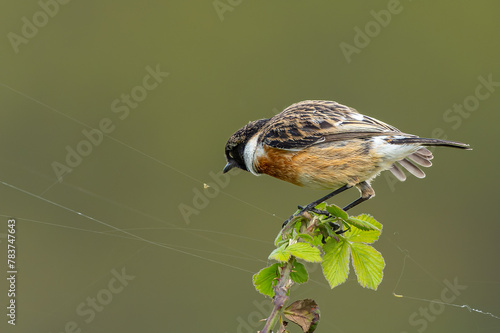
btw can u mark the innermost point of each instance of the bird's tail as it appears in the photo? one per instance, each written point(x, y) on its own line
point(430, 142)
point(422, 156)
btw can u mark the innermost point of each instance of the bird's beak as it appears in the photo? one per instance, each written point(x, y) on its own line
point(230, 164)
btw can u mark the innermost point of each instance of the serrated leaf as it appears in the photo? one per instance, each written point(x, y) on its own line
point(305, 251)
point(318, 240)
point(337, 211)
point(299, 273)
point(360, 236)
point(279, 238)
point(371, 219)
point(336, 261)
point(264, 280)
point(281, 253)
point(308, 238)
point(283, 242)
point(304, 313)
point(361, 224)
point(368, 264)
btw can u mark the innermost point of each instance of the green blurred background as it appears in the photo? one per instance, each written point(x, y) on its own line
point(229, 62)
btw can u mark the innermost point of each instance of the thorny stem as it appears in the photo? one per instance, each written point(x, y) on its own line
point(282, 287)
point(280, 295)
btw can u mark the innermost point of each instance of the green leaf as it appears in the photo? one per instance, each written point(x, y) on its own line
point(368, 264)
point(265, 279)
point(305, 251)
point(279, 238)
point(370, 219)
point(368, 237)
point(361, 224)
point(306, 237)
point(299, 273)
point(304, 313)
point(281, 253)
point(321, 206)
point(297, 227)
point(318, 240)
point(283, 242)
point(337, 211)
point(336, 261)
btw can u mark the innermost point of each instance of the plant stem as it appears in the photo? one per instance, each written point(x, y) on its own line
point(280, 295)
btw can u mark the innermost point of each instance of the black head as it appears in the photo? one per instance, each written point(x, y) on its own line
point(235, 146)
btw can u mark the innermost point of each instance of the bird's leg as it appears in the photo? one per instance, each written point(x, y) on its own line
point(326, 197)
point(317, 211)
point(313, 204)
point(355, 203)
point(367, 192)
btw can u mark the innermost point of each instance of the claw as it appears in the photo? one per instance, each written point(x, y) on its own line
point(303, 209)
point(334, 226)
point(319, 211)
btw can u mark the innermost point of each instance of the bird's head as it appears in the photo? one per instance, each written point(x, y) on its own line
point(235, 146)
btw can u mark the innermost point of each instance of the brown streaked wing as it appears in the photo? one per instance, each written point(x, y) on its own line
point(312, 122)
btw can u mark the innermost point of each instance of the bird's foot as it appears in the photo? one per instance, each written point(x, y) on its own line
point(303, 209)
point(336, 228)
point(314, 210)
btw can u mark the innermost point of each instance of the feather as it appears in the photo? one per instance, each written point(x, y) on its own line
point(307, 123)
point(412, 168)
point(398, 173)
point(430, 142)
point(419, 159)
point(424, 152)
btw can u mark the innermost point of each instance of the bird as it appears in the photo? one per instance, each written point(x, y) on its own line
point(328, 146)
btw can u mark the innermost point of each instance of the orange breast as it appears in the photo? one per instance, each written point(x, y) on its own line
point(324, 167)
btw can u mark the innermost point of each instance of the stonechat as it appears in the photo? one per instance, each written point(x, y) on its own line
point(327, 145)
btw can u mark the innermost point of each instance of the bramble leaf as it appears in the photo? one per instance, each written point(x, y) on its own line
point(318, 240)
point(371, 219)
point(337, 211)
point(281, 253)
point(361, 224)
point(368, 264)
point(279, 239)
point(304, 313)
point(305, 251)
point(360, 236)
point(299, 273)
point(336, 261)
point(308, 238)
point(264, 280)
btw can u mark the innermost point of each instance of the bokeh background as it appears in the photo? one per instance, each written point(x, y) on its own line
point(136, 206)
